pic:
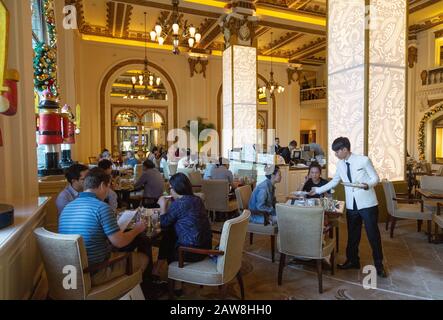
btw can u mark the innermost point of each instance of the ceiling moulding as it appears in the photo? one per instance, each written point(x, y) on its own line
point(282, 41)
point(309, 49)
point(426, 25)
point(416, 5)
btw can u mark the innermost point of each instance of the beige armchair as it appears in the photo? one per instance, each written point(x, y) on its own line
point(431, 183)
point(169, 170)
point(60, 250)
point(405, 209)
point(196, 180)
point(301, 234)
point(217, 197)
point(186, 171)
point(243, 194)
point(208, 272)
point(438, 220)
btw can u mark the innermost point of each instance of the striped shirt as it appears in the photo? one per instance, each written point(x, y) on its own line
point(94, 221)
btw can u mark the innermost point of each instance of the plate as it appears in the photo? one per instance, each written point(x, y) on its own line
point(354, 185)
point(299, 193)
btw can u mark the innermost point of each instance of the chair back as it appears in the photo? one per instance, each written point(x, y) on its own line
point(243, 194)
point(389, 191)
point(93, 160)
point(300, 230)
point(172, 168)
point(196, 178)
point(232, 240)
point(426, 168)
point(216, 194)
point(431, 182)
point(186, 171)
point(440, 171)
point(138, 171)
point(59, 251)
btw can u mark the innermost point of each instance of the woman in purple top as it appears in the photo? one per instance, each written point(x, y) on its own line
point(184, 223)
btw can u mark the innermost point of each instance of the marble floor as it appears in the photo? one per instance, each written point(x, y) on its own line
point(415, 270)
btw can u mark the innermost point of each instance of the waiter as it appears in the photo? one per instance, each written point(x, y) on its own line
point(361, 203)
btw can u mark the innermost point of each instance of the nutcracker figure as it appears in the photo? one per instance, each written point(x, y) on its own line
point(68, 130)
point(50, 133)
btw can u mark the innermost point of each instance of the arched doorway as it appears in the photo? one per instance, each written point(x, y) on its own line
point(106, 113)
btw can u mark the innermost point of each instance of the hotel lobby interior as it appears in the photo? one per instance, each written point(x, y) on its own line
point(181, 150)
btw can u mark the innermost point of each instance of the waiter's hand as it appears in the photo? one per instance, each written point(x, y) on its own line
point(313, 191)
point(366, 187)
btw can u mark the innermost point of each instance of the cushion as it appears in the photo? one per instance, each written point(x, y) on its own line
point(412, 211)
point(438, 219)
point(203, 272)
point(116, 288)
point(261, 229)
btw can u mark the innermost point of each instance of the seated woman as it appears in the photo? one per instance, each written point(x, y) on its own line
point(185, 223)
point(152, 183)
point(314, 179)
point(130, 159)
point(262, 202)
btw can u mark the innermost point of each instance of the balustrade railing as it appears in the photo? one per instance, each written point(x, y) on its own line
point(313, 93)
point(432, 76)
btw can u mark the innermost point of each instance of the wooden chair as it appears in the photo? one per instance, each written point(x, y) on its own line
point(405, 209)
point(301, 234)
point(438, 220)
point(59, 251)
point(217, 197)
point(196, 180)
point(208, 272)
point(243, 195)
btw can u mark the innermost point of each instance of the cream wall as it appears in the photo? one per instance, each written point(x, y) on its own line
point(196, 97)
point(18, 159)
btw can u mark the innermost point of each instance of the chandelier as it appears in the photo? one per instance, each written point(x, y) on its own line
point(145, 78)
point(272, 86)
point(190, 33)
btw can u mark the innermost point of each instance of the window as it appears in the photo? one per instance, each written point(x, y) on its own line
point(39, 29)
point(437, 140)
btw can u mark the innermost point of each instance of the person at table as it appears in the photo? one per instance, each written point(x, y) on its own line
point(221, 172)
point(210, 165)
point(314, 180)
point(75, 175)
point(276, 148)
point(90, 217)
point(105, 154)
point(152, 183)
point(111, 198)
point(184, 222)
point(163, 161)
point(286, 152)
point(186, 162)
point(361, 203)
point(130, 159)
point(262, 202)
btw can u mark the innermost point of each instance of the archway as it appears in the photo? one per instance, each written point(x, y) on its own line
point(109, 79)
point(425, 131)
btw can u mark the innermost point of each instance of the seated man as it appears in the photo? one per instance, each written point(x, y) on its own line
point(153, 184)
point(186, 162)
point(262, 202)
point(75, 175)
point(221, 172)
point(286, 152)
point(130, 159)
point(111, 198)
point(91, 218)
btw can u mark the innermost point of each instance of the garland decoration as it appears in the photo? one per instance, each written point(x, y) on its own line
point(421, 130)
point(45, 55)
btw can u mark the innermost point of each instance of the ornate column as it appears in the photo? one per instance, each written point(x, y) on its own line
point(367, 81)
point(239, 77)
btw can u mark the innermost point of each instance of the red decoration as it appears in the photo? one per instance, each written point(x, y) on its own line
point(11, 96)
point(50, 129)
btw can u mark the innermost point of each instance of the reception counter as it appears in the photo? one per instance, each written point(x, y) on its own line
point(20, 263)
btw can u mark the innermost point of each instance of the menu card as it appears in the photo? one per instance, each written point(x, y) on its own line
point(125, 218)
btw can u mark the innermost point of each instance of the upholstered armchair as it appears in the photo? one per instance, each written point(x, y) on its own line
point(438, 219)
point(243, 194)
point(431, 183)
point(196, 180)
point(217, 197)
point(301, 234)
point(59, 251)
point(208, 272)
point(405, 209)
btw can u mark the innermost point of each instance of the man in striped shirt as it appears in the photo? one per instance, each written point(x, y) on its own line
point(92, 218)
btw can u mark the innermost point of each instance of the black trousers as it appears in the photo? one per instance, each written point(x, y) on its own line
point(354, 220)
point(143, 245)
